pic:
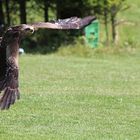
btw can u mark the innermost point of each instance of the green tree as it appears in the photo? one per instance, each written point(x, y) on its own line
point(22, 8)
point(108, 9)
point(69, 8)
point(8, 19)
point(46, 9)
point(1, 13)
point(2, 22)
point(115, 7)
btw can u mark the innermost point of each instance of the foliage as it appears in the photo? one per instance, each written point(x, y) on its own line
point(49, 40)
point(77, 48)
point(110, 13)
point(81, 49)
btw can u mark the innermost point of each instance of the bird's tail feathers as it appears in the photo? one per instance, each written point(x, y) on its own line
point(9, 97)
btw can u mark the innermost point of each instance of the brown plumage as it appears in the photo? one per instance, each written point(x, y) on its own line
point(9, 45)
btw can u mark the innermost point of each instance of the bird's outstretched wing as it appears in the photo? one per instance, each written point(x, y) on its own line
point(69, 23)
point(8, 79)
point(2, 61)
point(9, 86)
point(9, 45)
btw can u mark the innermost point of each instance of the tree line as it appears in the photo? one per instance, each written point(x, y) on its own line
point(105, 10)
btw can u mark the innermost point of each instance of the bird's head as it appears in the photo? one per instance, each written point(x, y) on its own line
point(17, 32)
point(22, 29)
point(26, 29)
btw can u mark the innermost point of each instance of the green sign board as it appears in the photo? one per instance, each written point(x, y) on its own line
point(92, 34)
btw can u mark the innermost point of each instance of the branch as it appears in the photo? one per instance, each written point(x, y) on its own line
point(126, 22)
point(125, 8)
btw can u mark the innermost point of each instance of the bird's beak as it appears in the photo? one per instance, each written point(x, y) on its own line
point(32, 29)
point(29, 29)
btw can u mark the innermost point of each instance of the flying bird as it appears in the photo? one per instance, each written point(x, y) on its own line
point(9, 46)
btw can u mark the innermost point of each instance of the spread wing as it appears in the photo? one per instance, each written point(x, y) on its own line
point(9, 86)
point(8, 80)
point(69, 23)
point(8, 54)
point(2, 61)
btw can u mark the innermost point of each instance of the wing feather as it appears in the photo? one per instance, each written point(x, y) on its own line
point(9, 85)
point(9, 60)
point(2, 61)
point(69, 23)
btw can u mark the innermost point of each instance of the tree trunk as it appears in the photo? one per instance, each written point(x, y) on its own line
point(22, 5)
point(46, 8)
point(106, 22)
point(113, 28)
point(113, 22)
point(1, 19)
point(106, 30)
point(58, 8)
point(1, 14)
point(7, 12)
point(117, 36)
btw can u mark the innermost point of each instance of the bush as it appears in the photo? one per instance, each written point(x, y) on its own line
point(47, 41)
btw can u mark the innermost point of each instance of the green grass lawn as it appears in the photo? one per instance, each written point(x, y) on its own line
point(75, 98)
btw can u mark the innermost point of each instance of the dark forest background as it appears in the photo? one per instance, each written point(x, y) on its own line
point(14, 12)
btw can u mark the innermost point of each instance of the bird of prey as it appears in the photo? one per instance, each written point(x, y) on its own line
point(9, 45)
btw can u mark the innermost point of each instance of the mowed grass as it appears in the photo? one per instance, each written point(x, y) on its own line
point(74, 98)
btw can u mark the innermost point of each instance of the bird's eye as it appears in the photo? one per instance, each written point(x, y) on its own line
point(27, 29)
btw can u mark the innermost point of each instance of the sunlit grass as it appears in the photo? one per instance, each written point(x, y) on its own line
point(75, 98)
point(80, 98)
